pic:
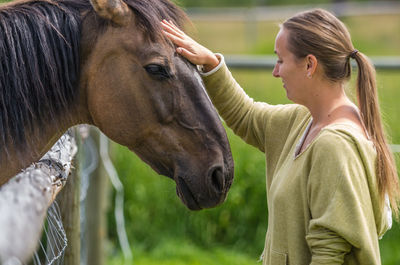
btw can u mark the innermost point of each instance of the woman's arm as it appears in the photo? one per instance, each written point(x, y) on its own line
point(343, 201)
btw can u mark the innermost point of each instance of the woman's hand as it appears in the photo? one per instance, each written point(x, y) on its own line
point(190, 49)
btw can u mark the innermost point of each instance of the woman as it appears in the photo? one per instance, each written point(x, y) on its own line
point(329, 168)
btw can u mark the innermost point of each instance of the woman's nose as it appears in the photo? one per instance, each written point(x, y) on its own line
point(275, 72)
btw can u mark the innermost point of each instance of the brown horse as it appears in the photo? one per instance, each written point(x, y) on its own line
point(107, 63)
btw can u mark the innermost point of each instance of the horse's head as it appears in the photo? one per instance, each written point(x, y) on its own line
point(145, 96)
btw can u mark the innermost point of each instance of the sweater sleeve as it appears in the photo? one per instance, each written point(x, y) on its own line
point(257, 123)
point(341, 208)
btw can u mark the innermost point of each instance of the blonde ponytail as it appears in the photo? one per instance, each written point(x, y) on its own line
point(367, 95)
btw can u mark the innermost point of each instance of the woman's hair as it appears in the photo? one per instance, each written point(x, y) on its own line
point(320, 33)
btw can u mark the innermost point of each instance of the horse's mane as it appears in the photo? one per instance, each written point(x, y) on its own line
point(39, 53)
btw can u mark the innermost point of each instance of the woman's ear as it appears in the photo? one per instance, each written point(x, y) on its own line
point(312, 64)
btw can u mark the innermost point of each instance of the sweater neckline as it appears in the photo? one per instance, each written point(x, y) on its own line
point(306, 131)
point(302, 139)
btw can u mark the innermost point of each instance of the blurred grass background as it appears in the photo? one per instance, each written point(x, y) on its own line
point(161, 229)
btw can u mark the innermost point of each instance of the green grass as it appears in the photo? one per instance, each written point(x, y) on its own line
point(177, 252)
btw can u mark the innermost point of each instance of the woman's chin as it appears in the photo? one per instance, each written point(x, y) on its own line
point(287, 94)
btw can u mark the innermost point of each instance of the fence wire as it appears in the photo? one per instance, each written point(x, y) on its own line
point(91, 157)
point(54, 243)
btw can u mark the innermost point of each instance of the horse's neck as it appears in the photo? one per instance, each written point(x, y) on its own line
point(63, 95)
point(13, 160)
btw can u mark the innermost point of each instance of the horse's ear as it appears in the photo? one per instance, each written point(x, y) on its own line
point(115, 10)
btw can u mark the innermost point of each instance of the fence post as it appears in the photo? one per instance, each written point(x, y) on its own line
point(25, 198)
point(96, 209)
point(68, 201)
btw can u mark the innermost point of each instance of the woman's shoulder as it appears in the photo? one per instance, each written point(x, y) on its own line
point(344, 139)
point(341, 152)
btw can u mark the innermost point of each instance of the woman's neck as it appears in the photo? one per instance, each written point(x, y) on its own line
point(328, 104)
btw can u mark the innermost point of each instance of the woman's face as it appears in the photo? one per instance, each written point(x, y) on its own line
point(291, 70)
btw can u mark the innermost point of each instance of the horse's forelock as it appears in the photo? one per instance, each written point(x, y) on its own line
point(149, 14)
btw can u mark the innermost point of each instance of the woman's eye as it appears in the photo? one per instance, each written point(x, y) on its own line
point(279, 61)
point(157, 71)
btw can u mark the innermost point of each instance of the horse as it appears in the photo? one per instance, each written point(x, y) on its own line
point(107, 63)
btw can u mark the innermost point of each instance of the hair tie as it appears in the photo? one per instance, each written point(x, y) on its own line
point(353, 54)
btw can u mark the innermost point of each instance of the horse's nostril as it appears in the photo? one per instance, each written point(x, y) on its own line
point(217, 178)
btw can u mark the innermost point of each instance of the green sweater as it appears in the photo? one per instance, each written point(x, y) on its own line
point(323, 204)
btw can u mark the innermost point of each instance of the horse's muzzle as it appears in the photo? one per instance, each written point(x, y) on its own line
point(208, 193)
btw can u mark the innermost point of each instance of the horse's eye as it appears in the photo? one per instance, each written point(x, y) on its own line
point(157, 71)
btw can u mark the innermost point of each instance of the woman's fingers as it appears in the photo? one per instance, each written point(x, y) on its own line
point(171, 29)
point(189, 54)
point(176, 28)
point(171, 25)
point(177, 40)
point(189, 48)
point(185, 53)
point(184, 48)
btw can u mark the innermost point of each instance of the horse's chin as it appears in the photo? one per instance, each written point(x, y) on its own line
point(186, 196)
